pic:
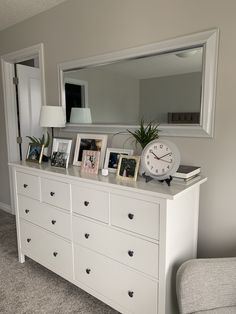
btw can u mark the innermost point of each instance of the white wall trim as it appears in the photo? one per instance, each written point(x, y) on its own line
point(7, 208)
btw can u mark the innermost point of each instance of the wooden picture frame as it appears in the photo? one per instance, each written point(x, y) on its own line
point(128, 168)
point(97, 142)
point(90, 161)
point(60, 152)
point(113, 156)
point(35, 152)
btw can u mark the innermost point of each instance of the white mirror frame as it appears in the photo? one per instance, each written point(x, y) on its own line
point(209, 39)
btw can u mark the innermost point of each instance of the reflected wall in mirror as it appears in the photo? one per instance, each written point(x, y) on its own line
point(170, 82)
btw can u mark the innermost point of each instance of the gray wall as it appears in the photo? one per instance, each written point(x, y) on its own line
point(176, 93)
point(111, 97)
point(83, 28)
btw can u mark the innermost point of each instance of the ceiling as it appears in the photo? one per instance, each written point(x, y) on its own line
point(15, 11)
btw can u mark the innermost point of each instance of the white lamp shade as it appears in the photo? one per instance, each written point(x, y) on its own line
point(80, 115)
point(52, 116)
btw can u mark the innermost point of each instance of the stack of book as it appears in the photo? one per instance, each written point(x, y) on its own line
point(185, 173)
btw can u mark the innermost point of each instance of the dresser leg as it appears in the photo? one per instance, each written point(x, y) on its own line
point(21, 258)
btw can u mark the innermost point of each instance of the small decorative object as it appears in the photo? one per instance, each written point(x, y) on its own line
point(35, 152)
point(90, 161)
point(97, 142)
point(145, 134)
point(105, 172)
point(128, 167)
point(112, 157)
point(160, 159)
point(60, 152)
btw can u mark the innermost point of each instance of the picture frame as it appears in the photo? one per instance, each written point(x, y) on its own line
point(113, 156)
point(128, 168)
point(60, 152)
point(35, 153)
point(89, 142)
point(90, 161)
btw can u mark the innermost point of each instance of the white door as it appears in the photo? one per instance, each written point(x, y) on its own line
point(30, 102)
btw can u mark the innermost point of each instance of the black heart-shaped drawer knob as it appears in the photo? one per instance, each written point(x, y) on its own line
point(131, 216)
point(131, 253)
point(130, 294)
point(52, 193)
point(53, 222)
point(88, 270)
point(25, 186)
point(86, 235)
point(86, 203)
point(55, 254)
point(26, 211)
point(28, 240)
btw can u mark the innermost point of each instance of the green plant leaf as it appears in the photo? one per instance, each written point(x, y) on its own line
point(41, 141)
point(145, 134)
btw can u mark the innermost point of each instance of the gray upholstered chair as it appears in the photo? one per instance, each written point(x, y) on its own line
point(207, 286)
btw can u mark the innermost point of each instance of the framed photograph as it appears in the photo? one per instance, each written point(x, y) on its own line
point(35, 152)
point(128, 167)
point(60, 152)
point(90, 161)
point(113, 156)
point(97, 142)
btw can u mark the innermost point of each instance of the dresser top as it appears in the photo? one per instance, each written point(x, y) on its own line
point(153, 188)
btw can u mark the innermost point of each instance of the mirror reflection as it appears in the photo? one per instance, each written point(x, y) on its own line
point(166, 88)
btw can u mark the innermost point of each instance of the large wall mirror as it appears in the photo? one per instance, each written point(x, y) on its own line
point(170, 82)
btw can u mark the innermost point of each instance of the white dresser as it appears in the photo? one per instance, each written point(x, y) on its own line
point(121, 242)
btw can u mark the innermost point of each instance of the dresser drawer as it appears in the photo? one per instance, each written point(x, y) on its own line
point(46, 248)
point(138, 216)
point(131, 290)
point(56, 193)
point(129, 250)
point(28, 185)
point(90, 202)
point(45, 216)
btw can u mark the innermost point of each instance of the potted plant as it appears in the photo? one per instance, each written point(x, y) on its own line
point(42, 141)
point(145, 133)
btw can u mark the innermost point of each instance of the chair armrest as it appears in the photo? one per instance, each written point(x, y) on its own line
point(205, 284)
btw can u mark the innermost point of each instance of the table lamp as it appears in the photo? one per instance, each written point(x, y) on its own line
point(80, 115)
point(53, 117)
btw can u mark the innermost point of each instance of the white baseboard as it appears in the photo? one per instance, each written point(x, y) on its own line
point(6, 208)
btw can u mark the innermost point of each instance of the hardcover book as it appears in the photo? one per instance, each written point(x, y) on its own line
point(186, 172)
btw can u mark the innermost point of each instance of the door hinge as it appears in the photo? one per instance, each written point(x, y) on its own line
point(19, 140)
point(15, 80)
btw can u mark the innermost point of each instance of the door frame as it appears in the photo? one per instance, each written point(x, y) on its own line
point(9, 93)
point(9, 97)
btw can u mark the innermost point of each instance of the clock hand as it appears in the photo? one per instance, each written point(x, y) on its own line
point(165, 155)
point(155, 155)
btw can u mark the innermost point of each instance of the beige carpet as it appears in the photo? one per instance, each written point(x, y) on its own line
point(30, 288)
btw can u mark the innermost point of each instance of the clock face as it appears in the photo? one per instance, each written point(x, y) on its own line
point(160, 159)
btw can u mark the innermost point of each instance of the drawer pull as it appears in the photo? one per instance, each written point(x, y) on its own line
point(88, 270)
point(131, 253)
point(52, 193)
point(131, 216)
point(86, 203)
point(55, 254)
point(86, 235)
point(26, 211)
point(25, 186)
point(53, 222)
point(130, 294)
point(28, 240)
